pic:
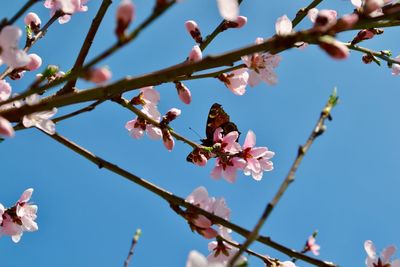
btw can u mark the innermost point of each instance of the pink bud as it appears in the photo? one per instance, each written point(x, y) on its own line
point(334, 48)
point(194, 31)
point(5, 90)
point(168, 141)
point(241, 21)
point(99, 75)
point(32, 20)
point(35, 62)
point(125, 15)
point(184, 93)
point(6, 128)
point(195, 54)
point(172, 114)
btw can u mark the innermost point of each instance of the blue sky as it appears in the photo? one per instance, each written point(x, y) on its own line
point(346, 187)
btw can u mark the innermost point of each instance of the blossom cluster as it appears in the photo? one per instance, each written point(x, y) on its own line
point(19, 218)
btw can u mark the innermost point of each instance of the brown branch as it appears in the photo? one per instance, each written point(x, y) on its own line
point(79, 111)
point(87, 43)
point(175, 200)
point(317, 131)
point(135, 239)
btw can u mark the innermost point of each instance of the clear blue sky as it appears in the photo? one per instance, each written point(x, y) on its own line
point(346, 188)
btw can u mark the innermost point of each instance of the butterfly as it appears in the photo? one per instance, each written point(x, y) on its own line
point(217, 117)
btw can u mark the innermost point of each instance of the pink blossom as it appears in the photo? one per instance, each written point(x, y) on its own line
point(6, 128)
point(2, 209)
point(373, 260)
point(148, 96)
point(32, 20)
point(184, 93)
point(171, 115)
point(125, 15)
point(99, 75)
point(312, 246)
point(283, 26)
point(69, 7)
point(195, 54)
point(229, 9)
point(261, 67)
point(196, 259)
point(9, 52)
point(227, 142)
point(227, 168)
point(322, 19)
point(193, 29)
point(40, 119)
point(5, 90)
point(395, 67)
point(168, 141)
point(222, 252)
point(257, 158)
point(241, 21)
point(137, 127)
point(236, 81)
point(199, 197)
point(21, 217)
point(34, 63)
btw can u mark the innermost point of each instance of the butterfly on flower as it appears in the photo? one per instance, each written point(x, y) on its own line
point(217, 118)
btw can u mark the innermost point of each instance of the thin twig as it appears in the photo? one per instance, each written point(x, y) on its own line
point(175, 200)
point(135, 239)
point(19, 13)
point(317, 131)
point(302, 13)
point(87, 43)
point(125, 103)
point(79, 111)
point(32, 41)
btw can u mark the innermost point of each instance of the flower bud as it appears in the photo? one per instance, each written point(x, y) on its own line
point(195, 54)
point(168, 141)
point(183, 92)
point(125, 15)
point(33, 21)
point(35, 62)
point(194, 31)
point(6, 128)
point(171, 115)
point(99, 75)
point(334, 48)
point(5, 90)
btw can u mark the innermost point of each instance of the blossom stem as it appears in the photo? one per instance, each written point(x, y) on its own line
point(125, 103)
point(177, 201)
point(302, 13)
point(31, 42)
point(87, 43)
point(317, 131)
point(135, 239)
point(379, 54)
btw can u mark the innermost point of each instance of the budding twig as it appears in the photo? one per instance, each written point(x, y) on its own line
point(135, 239)
point(175, 200)
point(317, 131)
point(19, 13)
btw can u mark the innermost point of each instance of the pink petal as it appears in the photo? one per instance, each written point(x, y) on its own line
point(6, 128)
point(229, 9)
point(283, 26)
point(370, 248)
point(250, 140)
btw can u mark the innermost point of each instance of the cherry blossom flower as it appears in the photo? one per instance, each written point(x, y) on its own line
point(222, 252)
point(312, 246)
point(148, 96)
point(236, 81)
point(283, 26)
point(373, 260)
point(372, 8)
point(257, 158)
point(137, 127)
point(41, 120)
point(229, 9)
point(396, 67)
point(69, 7)
point(125, 15)
point(227, 143)
point(196, 259)
point(261, 67)
point(99, 75)
point(195, 54)
point(184, 93)
point(227, 167)
point(21, 217)
point(9, 52)
point(235, 24)
point(199, 197)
